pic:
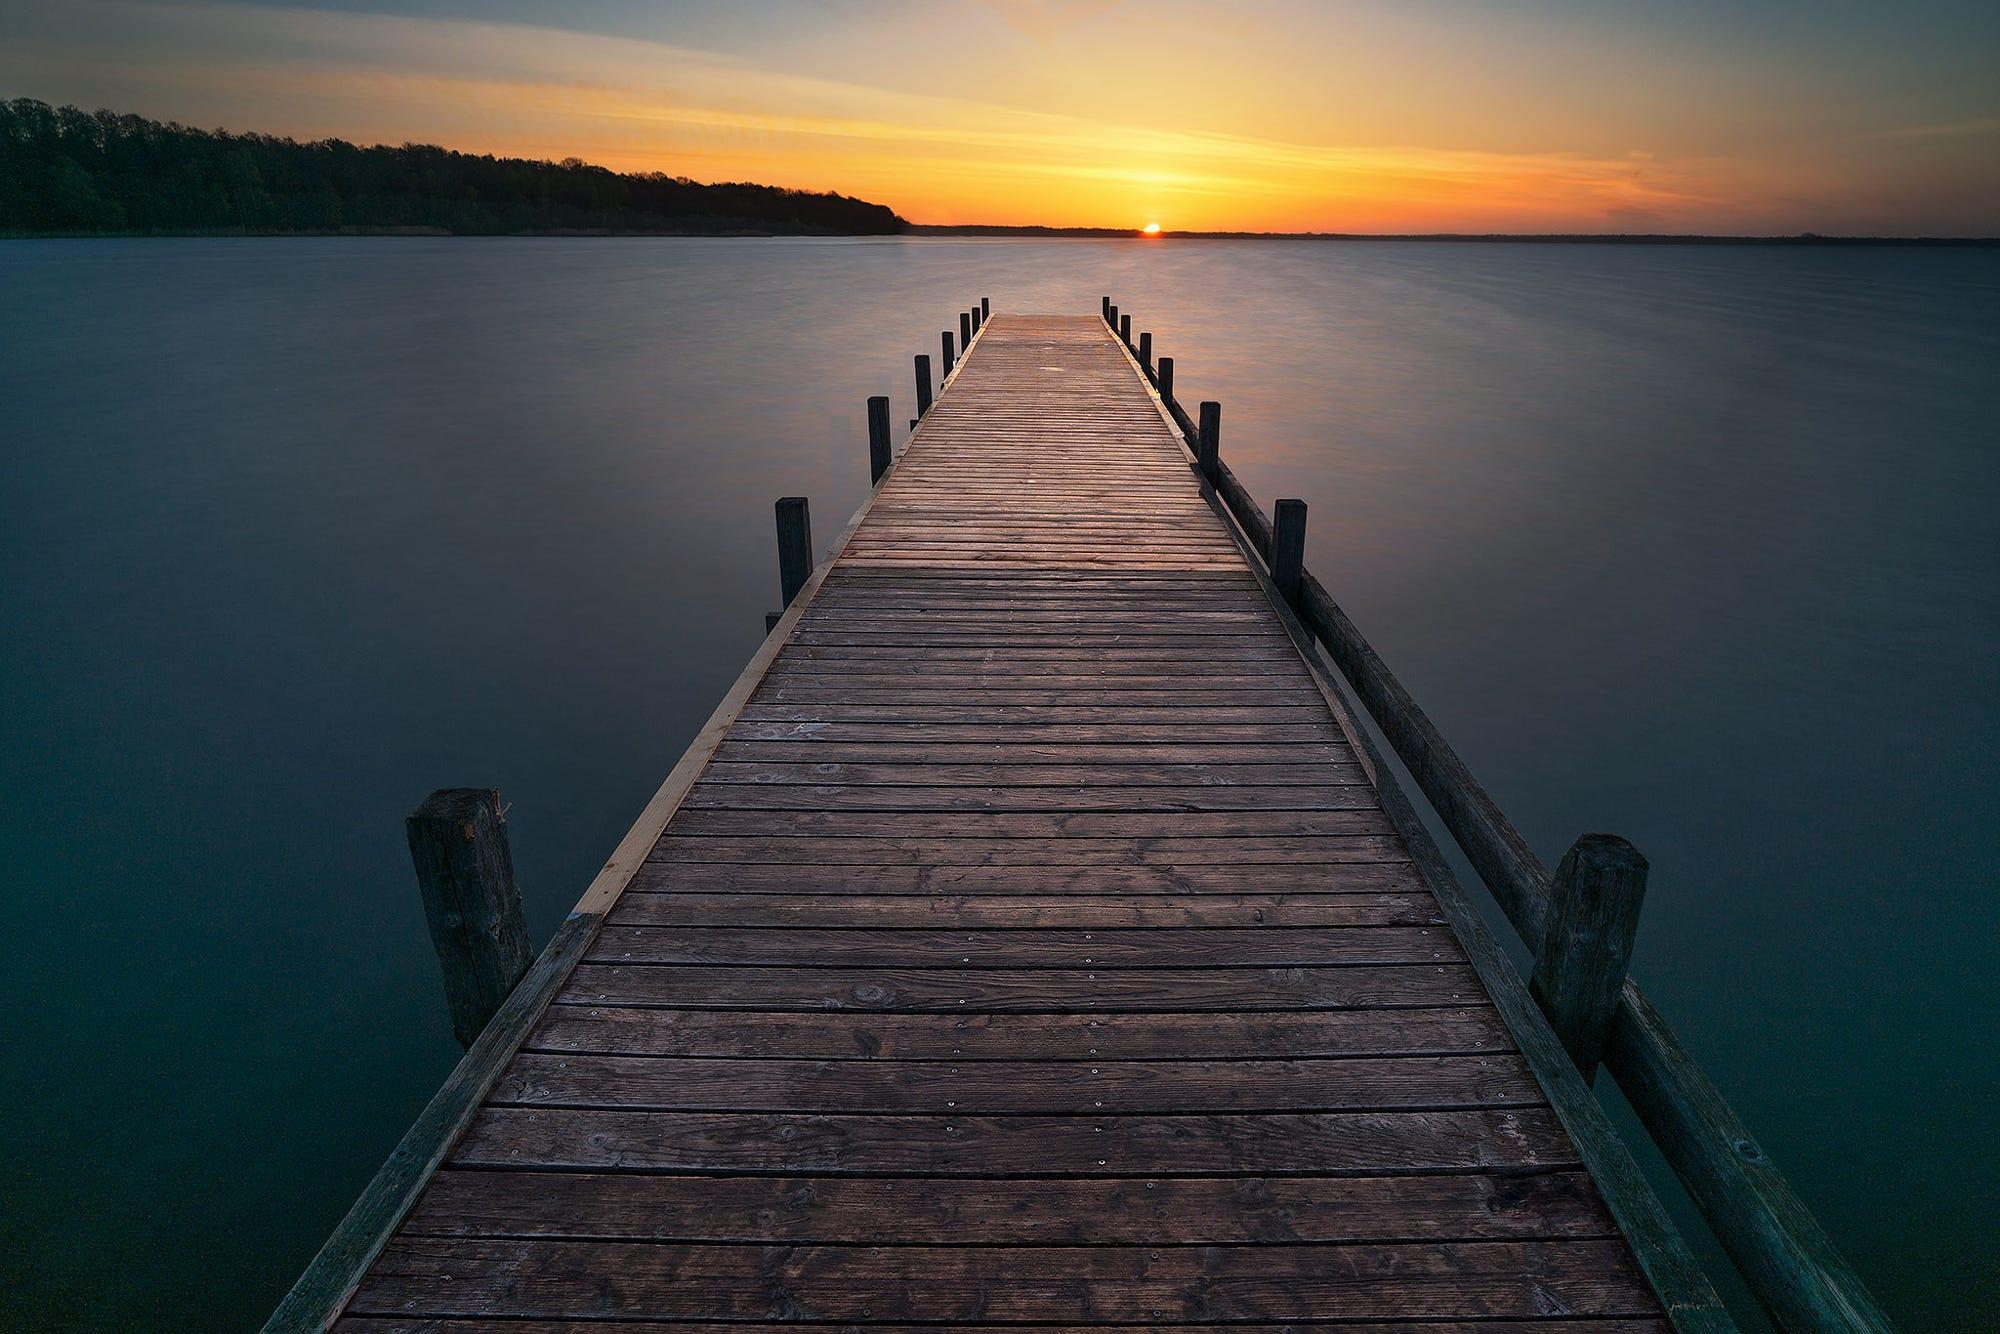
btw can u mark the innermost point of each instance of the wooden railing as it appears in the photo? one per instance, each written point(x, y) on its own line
point(1578, 923)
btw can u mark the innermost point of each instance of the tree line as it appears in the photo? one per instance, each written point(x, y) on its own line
point(65, 170)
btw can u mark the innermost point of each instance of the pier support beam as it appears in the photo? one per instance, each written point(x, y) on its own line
point(879, 453)
point(795, 560)
point(985, 308)
point(458, 842)
point(1125, 330)
point(1594, 903)
point(1208, 442)
point(1163, 376)
point(965, 328)
point(1288, 548)
point(923, 386)
point(1146, 354)
point(944, 368)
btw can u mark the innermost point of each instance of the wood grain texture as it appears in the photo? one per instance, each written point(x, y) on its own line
point(1031, 948)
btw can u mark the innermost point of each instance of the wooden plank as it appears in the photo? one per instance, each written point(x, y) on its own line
point(1457, 1030)
point(751, 877)
point(1317, 1143)
point(477, 1325)
point(972, 991)
point(993, 1088)
point(447, 1276)
point(867, 947)
point(1288, 754)
point(1074, 912)
point(1044, 827)
point(799, 797)
point(894, 1211)
point(1074, 851)
point(1076, 779)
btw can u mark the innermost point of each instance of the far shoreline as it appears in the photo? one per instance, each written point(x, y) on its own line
point(976, 232)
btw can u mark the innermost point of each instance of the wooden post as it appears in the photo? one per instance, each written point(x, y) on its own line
point(1111, 318)
point(1146, 353)
point(458, 841)
point(1106, 309)
point(977, 320)
point(1288, 548)
point(965, 328)
point(878, 441)
point(1125, 330)
point(985, 308)
point(923, 385)
point(1164, 378)
point(1208, 446)
point(795, 560)
point(1593, 918)
point(945, 368)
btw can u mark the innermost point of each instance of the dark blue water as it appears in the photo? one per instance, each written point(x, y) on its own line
point(1696, 545)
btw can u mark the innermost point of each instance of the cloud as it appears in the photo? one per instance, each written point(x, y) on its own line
point(1953, 130)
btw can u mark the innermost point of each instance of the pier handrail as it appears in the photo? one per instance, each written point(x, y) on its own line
point(1784, 1255)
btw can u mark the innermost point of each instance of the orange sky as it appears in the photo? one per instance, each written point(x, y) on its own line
point(1529, 116)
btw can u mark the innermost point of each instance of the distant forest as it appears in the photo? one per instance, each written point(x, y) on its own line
point(67, 170)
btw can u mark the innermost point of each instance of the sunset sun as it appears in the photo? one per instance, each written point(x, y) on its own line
point(1151, 229)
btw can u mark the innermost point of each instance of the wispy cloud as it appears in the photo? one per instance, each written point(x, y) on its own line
point(1951, 130)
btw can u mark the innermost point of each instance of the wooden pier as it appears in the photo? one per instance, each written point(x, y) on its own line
point(1032, 938)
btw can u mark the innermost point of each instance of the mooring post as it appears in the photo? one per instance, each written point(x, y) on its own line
point(1164, 378)
point(1288, 548)
point(977, 320)
point(458, 841)
point(944, 368)
point(965, 328)
point(1593, 919)
point(1146, 353)
point(795, 561)
point(1125, 330)
point(985, 307)
point(1208, 441)
point(1107, 309)
point(1111, 318)
point(878, 440)
point(923, 385)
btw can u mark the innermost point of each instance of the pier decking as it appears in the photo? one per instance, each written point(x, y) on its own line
point(1031, 947)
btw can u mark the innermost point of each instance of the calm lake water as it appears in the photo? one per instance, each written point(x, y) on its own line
point(1693, 544)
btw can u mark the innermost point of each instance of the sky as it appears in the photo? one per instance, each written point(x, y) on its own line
point(1266, 115)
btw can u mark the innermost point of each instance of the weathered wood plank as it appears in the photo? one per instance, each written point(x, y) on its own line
point(447, 1276)
point(753, 877)
point(478, 1325)
point(1071, 851)
point(1364, 1143)
point(893, 1211)
point(1074, 912)
point(993, 1088)
point(866, 947)
point(971, 991)
point(799, 797)
point(612, 1030)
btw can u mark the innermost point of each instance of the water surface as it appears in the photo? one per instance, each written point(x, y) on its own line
point(1692, 544)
